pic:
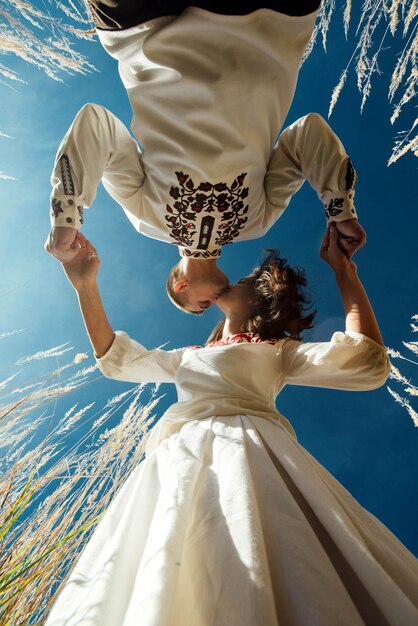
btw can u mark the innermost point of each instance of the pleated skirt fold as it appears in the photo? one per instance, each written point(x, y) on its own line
point(230, 522)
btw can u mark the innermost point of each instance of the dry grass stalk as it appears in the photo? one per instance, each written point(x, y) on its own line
point(42, 40)
point(408, 387)
point(53, 493)
point(398, 15)
point(405, 403)
point(401, 147)
point(411, 345)
point(347, 17)
point(336, 92)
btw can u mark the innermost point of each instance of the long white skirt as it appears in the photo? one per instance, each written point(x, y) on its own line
point(230, 522)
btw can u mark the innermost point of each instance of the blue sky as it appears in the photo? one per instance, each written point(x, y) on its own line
point(366, 440)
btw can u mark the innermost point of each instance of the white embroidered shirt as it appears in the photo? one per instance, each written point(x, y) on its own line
point(209, 95)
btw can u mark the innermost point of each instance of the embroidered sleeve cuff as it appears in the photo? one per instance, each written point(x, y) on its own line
point(339, 206)
point(66, 212)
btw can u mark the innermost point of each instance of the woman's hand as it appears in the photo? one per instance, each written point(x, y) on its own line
point(332, 253)
point(82, 270)
point(82, 274)
point(359, 315)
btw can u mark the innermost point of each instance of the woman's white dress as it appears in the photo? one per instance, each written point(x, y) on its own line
point(229, 521)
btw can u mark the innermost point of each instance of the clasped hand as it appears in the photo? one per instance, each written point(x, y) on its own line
point(80, 262)
point(332, 251)
point(351, 236)
point(82, 268)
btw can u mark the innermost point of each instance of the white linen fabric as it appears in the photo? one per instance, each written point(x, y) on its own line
point(229, 521)
point(209, 95)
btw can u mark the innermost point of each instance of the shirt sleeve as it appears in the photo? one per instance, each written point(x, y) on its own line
point(97, 146)
point(128, 360)
point(350, 361)
point(310, 150)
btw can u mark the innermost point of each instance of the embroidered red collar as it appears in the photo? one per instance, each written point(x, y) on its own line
point(237, 338)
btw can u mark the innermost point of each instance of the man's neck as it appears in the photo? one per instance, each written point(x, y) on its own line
point(193, 263)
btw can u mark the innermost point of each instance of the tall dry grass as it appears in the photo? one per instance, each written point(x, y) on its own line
point(59, 471)
point(383, 27)
point(49, 42)
point(44, 37)
point(407, 388)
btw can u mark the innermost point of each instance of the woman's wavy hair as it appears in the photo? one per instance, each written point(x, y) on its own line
point(281, 304)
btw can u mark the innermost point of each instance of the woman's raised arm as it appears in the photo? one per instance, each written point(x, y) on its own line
point(82, 274)
point(118, 356)
point(359, 314)
point(355, 360)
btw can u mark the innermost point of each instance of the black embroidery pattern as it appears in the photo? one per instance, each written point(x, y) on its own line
point(234, 217)
point(56, 208)
point(205, 254)
point(191, 200)
point(351, 176)
point(67, 179)
point(69, 190)
point(334, 207)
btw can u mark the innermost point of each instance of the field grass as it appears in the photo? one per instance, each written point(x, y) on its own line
point(59, 469)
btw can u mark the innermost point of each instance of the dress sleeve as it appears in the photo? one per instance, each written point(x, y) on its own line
point(350, 361)
point(129, 361)
point(97, 146)
point(309, 150)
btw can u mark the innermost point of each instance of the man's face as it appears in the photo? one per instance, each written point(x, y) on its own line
point(200, 286)
point(201, 294)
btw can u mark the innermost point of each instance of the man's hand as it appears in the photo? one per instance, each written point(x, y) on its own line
point(351, 236)
point(63, 242)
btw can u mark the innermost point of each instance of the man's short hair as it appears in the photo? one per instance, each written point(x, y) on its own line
point(178, 298)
